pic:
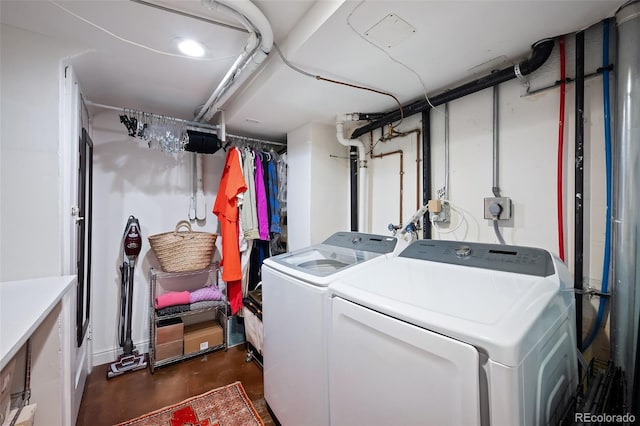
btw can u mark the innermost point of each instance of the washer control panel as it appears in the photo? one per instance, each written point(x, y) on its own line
point(521, 260)
point(365, 242)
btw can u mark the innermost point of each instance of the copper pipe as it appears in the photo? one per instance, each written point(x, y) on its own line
point(392, 135)
point(399, 151)
point(418, 133)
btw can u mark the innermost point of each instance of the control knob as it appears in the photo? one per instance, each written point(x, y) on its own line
point(462, 251)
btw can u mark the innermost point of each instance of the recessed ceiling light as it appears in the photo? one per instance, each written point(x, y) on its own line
point(191, 48)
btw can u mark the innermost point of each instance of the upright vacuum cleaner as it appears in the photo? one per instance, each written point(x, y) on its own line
point(130, 360)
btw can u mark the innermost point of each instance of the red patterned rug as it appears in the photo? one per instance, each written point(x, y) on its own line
point(225, 406)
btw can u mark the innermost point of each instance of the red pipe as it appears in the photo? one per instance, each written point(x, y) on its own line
point(561, 151)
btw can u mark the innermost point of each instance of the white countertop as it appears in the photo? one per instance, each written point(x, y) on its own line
point(23, 306)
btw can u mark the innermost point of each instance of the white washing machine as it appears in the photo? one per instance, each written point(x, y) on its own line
point(295, 307)
point(452, 333)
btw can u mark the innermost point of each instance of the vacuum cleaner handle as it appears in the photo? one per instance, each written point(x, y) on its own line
point(123, 300)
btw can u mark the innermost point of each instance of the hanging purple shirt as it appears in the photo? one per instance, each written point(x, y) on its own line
point(261, 201)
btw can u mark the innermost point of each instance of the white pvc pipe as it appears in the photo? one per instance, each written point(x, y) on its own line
point(362, 172)
point(363, 223)
point(201, 204)
point(192, 200)
point(223, 128)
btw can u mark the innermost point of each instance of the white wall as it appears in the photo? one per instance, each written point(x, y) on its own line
point(153, 186)
point(329, 209)
point(32, 241)
point(298, 187)
point(317, 185)
point(384, 176)
point(29, 177)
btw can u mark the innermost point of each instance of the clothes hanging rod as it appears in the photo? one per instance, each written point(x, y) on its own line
point(194, 124)
point(153, 115)
point(253, 140)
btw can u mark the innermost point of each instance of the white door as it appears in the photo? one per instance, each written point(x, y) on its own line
point(383, 371)
point(76, 159)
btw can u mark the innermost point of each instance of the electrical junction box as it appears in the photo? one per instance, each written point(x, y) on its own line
point(501, 204)
point(441, 212)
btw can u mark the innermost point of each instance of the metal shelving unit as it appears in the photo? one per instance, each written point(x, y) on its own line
point(163, 282)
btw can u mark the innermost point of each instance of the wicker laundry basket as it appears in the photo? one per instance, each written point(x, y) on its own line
point(183, 250)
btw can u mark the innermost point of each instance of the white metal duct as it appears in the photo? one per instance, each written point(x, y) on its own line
point(258, 46)
point(626, 195)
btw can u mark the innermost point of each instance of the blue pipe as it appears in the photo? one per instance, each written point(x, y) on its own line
point(607, 147)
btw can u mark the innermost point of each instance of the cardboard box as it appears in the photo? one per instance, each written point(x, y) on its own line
point(168, 350)
point(26, 416)
point(6, 377)
point(169, 331)
point(202, 336)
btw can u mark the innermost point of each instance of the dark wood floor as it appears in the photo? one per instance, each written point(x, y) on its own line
point(107, 402)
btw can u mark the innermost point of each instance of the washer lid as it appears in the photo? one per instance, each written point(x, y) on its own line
point(501, 313)
point(318, 264)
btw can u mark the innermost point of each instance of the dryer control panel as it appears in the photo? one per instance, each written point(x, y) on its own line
point(365, 242)
point(521, 260)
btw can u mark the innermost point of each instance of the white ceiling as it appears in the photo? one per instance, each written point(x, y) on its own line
point(453, 41)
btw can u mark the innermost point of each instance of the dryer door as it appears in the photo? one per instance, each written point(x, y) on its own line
point(383, 371)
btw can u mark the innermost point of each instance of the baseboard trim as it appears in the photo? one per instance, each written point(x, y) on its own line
point(110, 355)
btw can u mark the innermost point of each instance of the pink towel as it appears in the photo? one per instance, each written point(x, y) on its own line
point(205, 293)
point(172, 298)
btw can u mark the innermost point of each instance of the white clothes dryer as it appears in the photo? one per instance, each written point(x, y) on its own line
point(451, 333)
point(295, 307)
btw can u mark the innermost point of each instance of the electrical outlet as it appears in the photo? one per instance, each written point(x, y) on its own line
point(443, 215)
point(505, 207)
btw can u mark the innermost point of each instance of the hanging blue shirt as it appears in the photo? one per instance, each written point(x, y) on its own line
point(272, 180)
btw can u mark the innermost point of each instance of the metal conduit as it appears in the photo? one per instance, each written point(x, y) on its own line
point(496, 111)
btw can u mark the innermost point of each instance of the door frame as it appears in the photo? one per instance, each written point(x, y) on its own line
point(76, 360)
point(84, 237)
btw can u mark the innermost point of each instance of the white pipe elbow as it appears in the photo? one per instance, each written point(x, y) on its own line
point(350, 142)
